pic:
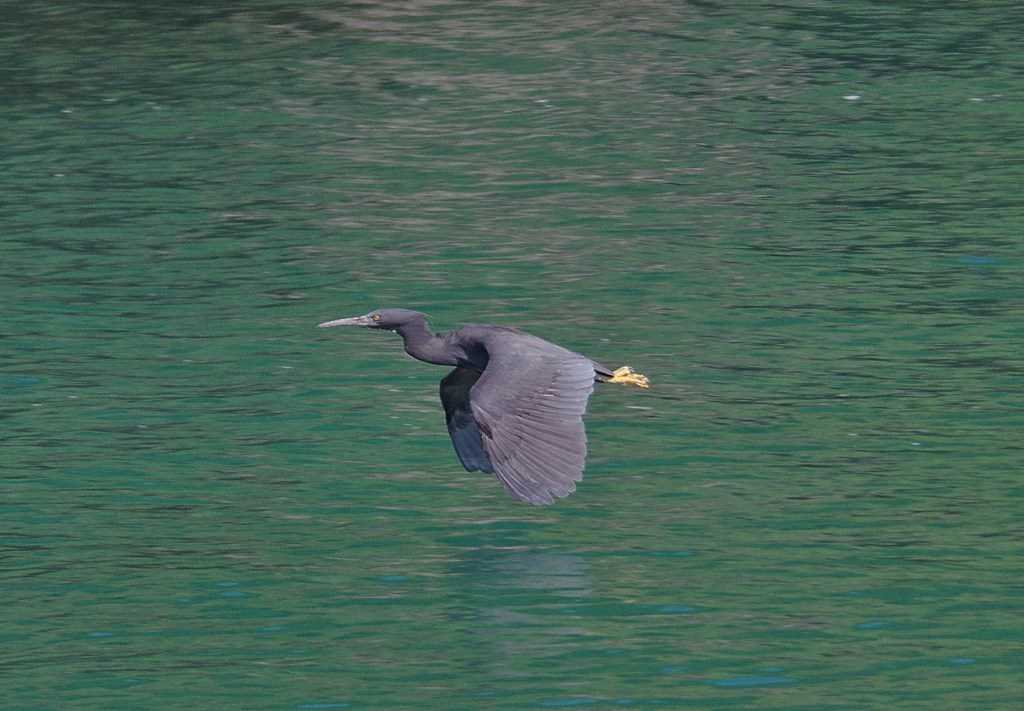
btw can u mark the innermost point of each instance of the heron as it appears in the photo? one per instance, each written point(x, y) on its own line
point(513, 403)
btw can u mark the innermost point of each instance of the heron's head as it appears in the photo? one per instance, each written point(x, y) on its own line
point(387, 319)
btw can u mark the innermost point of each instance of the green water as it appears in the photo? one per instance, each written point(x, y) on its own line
point(802, 220)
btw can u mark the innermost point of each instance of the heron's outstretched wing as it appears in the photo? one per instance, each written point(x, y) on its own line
point(529, 406)
point(461, 426)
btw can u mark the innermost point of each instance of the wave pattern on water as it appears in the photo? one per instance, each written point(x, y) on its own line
point(802, 221)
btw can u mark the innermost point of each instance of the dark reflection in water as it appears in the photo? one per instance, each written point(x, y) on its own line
point(518, 607)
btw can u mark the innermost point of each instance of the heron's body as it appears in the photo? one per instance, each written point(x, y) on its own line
point(514, 403)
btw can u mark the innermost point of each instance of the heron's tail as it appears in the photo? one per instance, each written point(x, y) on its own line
point(628, 376)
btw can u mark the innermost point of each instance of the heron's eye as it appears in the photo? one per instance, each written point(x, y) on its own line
point(376, 317)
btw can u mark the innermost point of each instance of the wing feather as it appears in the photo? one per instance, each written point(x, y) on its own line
point(528, 406)
point(462, 426)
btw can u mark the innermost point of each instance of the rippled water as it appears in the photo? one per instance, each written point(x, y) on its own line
point(802, 221)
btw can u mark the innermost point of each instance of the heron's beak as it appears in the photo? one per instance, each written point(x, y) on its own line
point(356, 321)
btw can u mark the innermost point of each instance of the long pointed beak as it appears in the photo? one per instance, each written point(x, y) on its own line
point(355, 321)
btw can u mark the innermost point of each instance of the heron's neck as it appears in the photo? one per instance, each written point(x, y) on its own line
point(422, 344)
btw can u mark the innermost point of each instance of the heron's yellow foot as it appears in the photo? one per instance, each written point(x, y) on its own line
point(628, 376)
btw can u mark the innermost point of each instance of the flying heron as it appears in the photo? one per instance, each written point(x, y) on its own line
point(514, 403)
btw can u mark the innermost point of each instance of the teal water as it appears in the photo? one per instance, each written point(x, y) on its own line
point(803, 221)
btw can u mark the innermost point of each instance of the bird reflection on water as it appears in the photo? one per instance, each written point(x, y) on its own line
point(514, 403)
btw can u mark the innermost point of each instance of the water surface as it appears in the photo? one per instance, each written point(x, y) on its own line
point(802, 221)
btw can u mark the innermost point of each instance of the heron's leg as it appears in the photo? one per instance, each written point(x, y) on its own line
point(628, 376)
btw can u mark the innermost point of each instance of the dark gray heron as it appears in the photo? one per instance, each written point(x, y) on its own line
point(514, 403)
